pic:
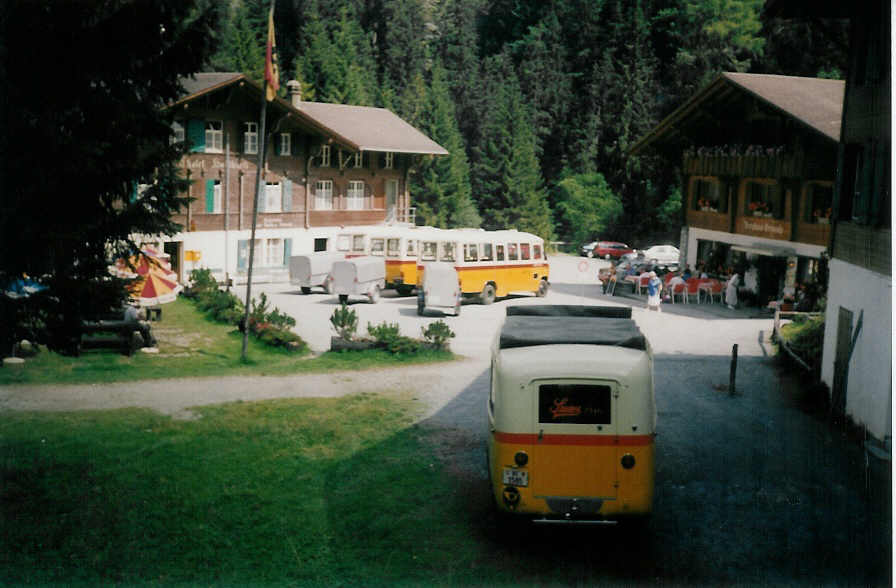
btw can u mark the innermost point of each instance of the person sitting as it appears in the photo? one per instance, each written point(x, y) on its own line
point(686, 274)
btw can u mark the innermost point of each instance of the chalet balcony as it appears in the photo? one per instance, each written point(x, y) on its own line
point(773, 164)
point(709, 218)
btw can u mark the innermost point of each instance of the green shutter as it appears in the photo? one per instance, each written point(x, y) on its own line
point(133, 192)
point(196, 135)
point(262, 191)
point(287, 251)
point(209, 195)
point(275, 137)
point(242, 255)
point(286, 186)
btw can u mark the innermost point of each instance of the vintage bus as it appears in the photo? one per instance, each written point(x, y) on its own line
point(571, 415)
point(490, 264)
point(400, 244)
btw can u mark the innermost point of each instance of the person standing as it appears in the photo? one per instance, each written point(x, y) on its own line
point(731, 291)
point(654, 289)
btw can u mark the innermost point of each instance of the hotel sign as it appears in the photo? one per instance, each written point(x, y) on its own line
point(764, 226)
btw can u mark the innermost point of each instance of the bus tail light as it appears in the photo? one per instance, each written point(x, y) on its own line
point(521, 458)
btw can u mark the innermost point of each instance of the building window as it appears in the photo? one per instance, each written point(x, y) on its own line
point(273, 197)
point(343, 243)
point(706, 196)
point(359, 160)
point(216, 198)
point(285, 144)
point(818, 203)
point(764, 199)
point(390, 160)
point(179, 133)
point(320, 244)
point(250, 137)
point(214, 136)
point(325, 156)
point(355, 195)
point(358, 243)
point(274, 252)
point(323, 195)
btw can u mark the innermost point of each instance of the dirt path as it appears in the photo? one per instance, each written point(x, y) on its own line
point(434, 385)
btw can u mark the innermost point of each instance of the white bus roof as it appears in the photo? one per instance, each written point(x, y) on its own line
point(536, 325)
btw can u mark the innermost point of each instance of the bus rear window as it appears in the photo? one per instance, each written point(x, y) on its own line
point(578, 404)
point(524, 251)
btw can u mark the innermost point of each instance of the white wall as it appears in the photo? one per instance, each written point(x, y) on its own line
point(869, 382)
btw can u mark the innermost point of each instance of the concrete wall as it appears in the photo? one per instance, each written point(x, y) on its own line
point(869, 381)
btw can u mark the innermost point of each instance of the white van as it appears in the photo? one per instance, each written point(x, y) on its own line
point(359, 276)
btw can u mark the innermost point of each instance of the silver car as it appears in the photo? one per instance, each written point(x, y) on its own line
point(662, 255)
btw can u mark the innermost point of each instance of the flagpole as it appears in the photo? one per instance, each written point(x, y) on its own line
point(262, 148)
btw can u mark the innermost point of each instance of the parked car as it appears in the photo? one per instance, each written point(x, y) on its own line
point(667, 255)
point(606, 249)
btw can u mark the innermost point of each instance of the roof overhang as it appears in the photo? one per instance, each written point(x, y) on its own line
point(724, 84)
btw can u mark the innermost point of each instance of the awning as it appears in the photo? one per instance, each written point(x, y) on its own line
point(770, 251)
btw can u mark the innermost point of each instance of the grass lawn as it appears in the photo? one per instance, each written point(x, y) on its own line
point(312, 492)
point(192, 346)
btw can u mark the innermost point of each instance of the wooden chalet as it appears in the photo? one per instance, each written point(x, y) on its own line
point(326, 166)
point(758, 157)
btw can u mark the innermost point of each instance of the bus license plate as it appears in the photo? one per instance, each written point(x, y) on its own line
point(516, 477)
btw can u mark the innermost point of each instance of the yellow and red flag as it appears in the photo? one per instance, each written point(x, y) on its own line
point(271, 69)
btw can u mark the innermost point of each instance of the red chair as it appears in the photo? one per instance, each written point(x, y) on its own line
point(716, 288)
point(642, 283)
point(680, 289)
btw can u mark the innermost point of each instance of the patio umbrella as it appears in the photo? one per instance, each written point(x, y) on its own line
point(155, 282)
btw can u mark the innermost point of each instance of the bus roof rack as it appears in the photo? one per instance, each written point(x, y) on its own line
point(584, 325)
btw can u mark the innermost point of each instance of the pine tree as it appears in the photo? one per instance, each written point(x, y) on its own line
point(242, 48)
point(443, 189)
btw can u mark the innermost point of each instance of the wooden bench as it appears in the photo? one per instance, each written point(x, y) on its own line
point(127, 336)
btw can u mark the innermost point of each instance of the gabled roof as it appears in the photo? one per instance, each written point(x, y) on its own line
point(372, 129)
point(815, 102)
point(360, 128)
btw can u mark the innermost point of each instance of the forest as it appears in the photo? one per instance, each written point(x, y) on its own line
point(537, 102)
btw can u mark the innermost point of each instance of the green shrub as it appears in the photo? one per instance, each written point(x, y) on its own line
point(345, 322)
point(388, 337)
point(806, 339)
point(437, 334)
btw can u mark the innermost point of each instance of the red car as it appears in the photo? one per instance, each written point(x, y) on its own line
point(608, 249)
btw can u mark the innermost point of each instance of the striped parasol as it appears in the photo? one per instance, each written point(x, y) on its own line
point(155, 283)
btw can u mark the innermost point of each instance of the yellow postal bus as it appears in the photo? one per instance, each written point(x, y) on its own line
point(401, 247)
point(571, 415)
point(490, 264)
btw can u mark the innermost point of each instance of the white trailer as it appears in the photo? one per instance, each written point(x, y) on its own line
point(313, 270)
point(441, 289)
point(359, 276)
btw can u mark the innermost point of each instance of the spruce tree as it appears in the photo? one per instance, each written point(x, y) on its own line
point(442, 185)
point(241, 49)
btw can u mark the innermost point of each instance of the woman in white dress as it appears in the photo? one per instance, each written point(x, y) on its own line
point(731, 291)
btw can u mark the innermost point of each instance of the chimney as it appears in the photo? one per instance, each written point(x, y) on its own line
point(294, 88)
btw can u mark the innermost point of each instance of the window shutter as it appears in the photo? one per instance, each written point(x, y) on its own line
point(262, 195)
point(275, 137)
point(287, 251)
point(209, 195)
point(133, 195)
point(242, 255)
point(196, 135)
point(286, 187)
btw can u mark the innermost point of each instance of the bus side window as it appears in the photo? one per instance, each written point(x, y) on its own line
point(358, 243)
point(446, 251)
point(412, 248)
point(524, 251)
point(376, 247)
point(343, 243)
point(512, 252)
point(470, 253)
point(537, 249)
point(392, 248)
point(499, 253)
point(486, 252)
point(428, 251)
